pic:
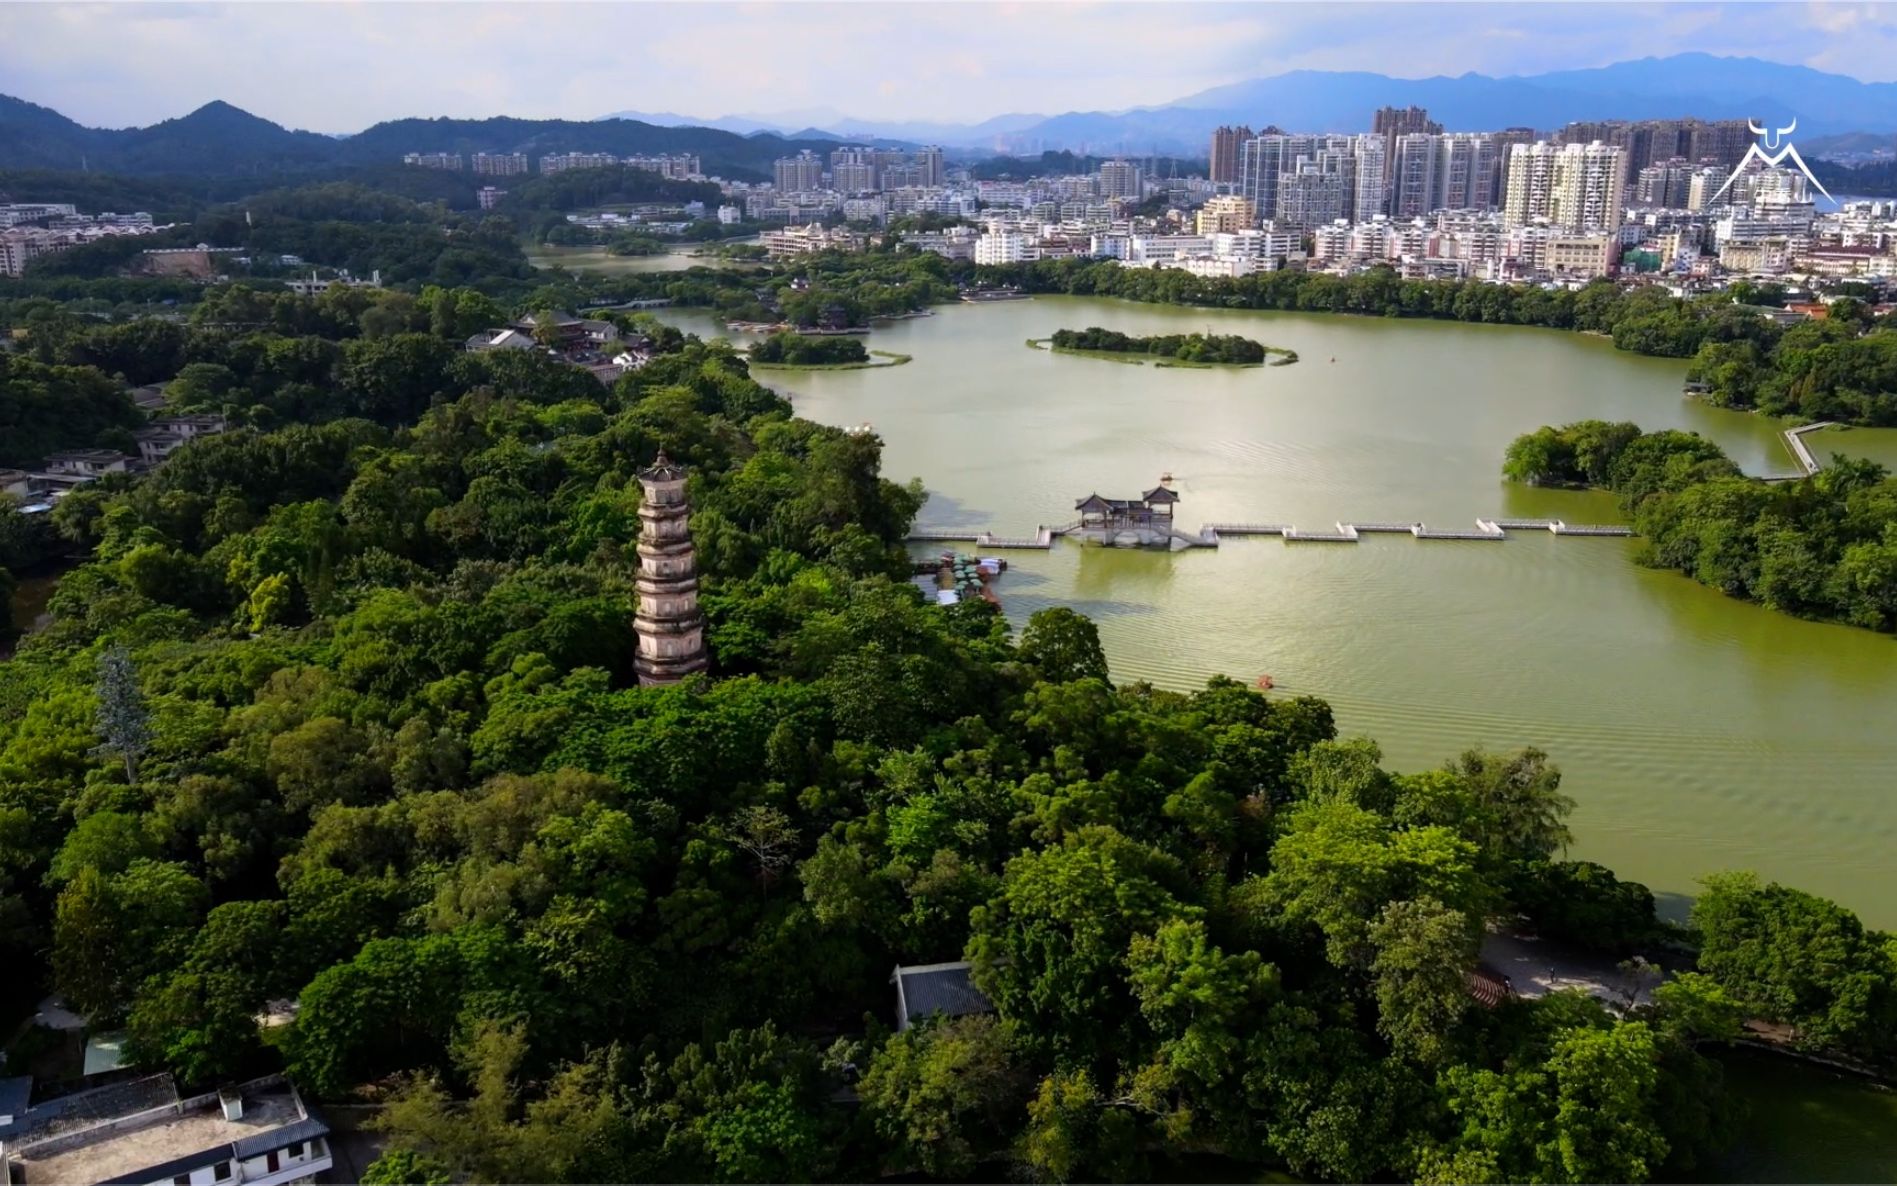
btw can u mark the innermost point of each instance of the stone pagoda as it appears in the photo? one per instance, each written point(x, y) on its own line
point(670, 627)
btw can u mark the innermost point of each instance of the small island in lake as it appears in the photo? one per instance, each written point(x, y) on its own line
point(818, 352)
point(1187, 350)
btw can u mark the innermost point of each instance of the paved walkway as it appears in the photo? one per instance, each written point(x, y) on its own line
point(53, 1014)
point(1536, 967)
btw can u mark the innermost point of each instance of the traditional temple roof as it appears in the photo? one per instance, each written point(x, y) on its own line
point(662, 470)
point(1095, 504)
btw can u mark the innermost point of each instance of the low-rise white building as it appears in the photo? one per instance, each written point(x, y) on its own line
point(1143, 251)
point(1219, 267)
point(87, 463)
point(956, 242)
point(258, 1133)
point(866, 209)
point(802, 240)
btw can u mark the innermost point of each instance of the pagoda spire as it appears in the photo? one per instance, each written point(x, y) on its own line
point(670, 626)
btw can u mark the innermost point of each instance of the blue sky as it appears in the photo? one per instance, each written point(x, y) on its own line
point(340, 67)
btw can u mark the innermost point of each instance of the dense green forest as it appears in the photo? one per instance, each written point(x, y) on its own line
point(635, 244)
point(1841, 368)
point(1186, 348)
point(807, 350)
point(340, 706)
point(1873, 179)
point(831, 288)
point(413, 234)
point(584, 189)
point(1823, 546)
point(335, 225)
point(175, 198)
point(47, 408)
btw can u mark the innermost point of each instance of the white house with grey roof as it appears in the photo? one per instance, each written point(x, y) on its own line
point(141, 1133)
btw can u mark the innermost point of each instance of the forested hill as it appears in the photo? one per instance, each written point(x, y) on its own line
point(721, 152)
point(341, 706)
point(221, 140)
point(1877, 179)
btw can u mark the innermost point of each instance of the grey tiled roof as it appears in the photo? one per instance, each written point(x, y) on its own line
point(937, 988)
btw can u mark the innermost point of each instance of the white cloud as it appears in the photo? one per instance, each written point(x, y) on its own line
point(338, 67)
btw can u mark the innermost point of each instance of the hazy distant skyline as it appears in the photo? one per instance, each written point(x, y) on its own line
point(340, 67)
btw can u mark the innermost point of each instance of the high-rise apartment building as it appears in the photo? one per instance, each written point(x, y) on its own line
point(1650, 141)
point(1262, 160)
point(930, 170)
point(1469, 172)
point(855, 170)
point(1413, 177)
point(798, 174)
point(1504, 142)
point(1530, 182)
point(1226, 141)
point(1120, 179)
point(1320, 185)
point(1588, 187)
point(1450, 171)
point(680, 166)
point(559, 162)
point(1314, 193)
point(1665, 184)
point(434, 160)
point(1393, 123)
point(1403, 121)
point(1575, 187)
point(1358, 166)
point(1702, 185)
point(500, 164)
point(1372, 181)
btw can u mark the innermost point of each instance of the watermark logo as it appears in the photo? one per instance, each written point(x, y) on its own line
point(1771, 156)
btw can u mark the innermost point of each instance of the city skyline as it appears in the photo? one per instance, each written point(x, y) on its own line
point(340, 68)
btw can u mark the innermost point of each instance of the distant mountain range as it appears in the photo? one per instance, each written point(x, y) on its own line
point(1319, 100)
point(835, 125)
point(221, 140)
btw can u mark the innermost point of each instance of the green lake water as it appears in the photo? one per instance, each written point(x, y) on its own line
point(1697, 733)
point(1806, 1124)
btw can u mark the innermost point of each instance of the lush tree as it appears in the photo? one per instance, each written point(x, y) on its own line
point(1424, 953)
point(943, 1093)
point(1586, 1114)
point(1798, 959)
point(124, 726)
point(1063, 645)
point(403, 1167)
point(1050, 949)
